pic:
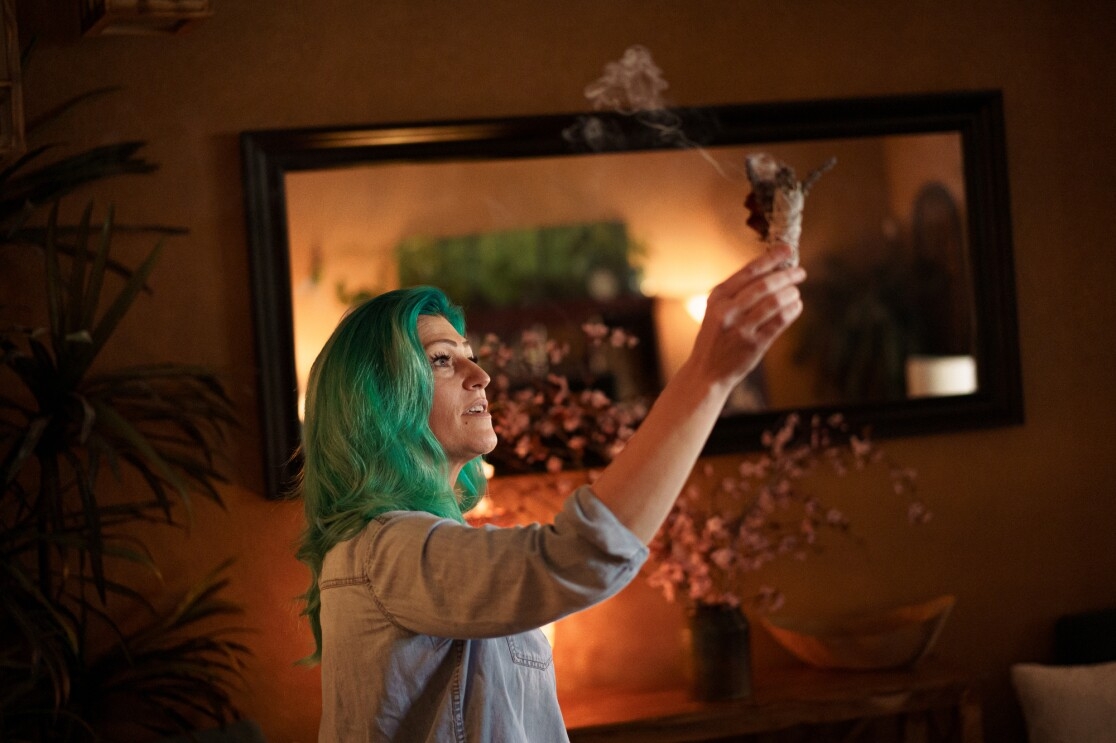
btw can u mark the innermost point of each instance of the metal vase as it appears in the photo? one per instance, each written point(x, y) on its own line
point(720, 640)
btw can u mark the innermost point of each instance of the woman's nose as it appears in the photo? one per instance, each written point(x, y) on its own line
point(477, 376)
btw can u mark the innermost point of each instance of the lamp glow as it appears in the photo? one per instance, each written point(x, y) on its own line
point(695, 306)
point(938, 376)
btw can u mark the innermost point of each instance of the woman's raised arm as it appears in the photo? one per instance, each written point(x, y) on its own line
point(744, 315)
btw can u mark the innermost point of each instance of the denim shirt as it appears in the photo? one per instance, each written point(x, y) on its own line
point(430, 627)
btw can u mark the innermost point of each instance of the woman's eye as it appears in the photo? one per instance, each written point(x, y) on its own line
point(440, 359)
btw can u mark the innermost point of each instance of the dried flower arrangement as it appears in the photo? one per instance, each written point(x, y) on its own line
point(552, 418)
point(550, 414)
point(722, 531)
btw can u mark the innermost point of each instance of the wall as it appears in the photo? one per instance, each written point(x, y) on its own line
point(1023, 521)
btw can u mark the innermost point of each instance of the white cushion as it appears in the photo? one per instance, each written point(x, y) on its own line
point(1067, 704)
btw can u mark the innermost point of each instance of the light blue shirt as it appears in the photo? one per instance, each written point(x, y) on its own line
point(430, 627)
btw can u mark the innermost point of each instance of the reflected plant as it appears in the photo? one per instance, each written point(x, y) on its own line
point(723, 530)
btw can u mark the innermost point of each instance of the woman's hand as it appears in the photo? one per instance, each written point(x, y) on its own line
point(744, 315)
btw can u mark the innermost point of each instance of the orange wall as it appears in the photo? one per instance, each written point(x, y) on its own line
point(1024, 515)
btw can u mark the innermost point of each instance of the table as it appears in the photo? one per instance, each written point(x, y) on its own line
point(926, 705)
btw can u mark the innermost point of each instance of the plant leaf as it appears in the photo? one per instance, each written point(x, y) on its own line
point(97, 272)
point(127, 432)
point(65, 106)
point(54, 180)
point(21, 450)
point(86, 477)
point(77, 273)
point(124, 300)
point(54, 280)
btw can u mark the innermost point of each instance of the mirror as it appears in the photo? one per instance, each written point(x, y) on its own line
point(548, 222)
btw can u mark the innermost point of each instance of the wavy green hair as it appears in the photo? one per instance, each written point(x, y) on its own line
point(367, 446)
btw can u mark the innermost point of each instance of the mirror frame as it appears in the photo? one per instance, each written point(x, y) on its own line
point(268, 155)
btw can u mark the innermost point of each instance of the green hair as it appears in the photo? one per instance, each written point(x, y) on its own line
point(367, 446)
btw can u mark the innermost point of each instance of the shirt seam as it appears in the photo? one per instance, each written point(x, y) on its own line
point(519, 657)
point(339, 582)
point(367, 579)
point(458, 710)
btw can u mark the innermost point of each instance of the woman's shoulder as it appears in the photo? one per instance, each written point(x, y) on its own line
point(393, 527)
point(345, 556)
point(403, 518)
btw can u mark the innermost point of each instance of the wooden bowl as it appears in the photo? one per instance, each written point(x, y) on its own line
point(897, 637)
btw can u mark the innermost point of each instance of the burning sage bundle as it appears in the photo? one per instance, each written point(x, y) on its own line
point(777, 198)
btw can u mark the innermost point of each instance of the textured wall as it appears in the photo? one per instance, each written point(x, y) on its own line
point(1024, 515)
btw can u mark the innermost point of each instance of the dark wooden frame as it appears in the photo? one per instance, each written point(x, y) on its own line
point(976, 115)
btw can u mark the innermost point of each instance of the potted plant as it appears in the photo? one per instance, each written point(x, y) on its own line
point(88, 457)
point(723, 530)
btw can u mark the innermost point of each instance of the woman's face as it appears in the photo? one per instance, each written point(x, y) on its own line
point(459, 417)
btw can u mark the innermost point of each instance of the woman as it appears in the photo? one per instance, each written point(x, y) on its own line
point(426, 628)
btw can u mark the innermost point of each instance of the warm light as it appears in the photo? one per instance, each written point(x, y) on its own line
point(489, 471)
point(938, 376)
point(695, 305)
point(548, 632)
point(483, 509)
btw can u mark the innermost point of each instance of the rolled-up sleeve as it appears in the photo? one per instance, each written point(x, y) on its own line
point(437, 577)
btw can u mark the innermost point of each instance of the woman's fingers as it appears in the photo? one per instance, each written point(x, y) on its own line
point(764, 264)
point(762, 295)
point(756, 326)
point(747, 312)
point(769, 329)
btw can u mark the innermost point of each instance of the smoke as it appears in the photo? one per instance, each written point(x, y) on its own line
point(633, 87)
point(629, 86)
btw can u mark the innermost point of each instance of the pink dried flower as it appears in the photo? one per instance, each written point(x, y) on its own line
point(833, 517)
point(595, 332)
point(917, 513)
point(620, 338)
point(723, 558)
point(722, 530)
point(769, 599)
point(548, 413)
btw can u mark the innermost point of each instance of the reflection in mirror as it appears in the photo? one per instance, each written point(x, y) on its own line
point(909, 313)
point(638, 240)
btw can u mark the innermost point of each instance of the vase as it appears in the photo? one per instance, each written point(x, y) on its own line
point(720, 643)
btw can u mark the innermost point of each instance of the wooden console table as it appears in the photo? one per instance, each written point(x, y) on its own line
point(926, 705)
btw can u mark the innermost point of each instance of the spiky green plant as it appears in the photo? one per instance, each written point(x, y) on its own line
point(84, 456)
point(31, 180)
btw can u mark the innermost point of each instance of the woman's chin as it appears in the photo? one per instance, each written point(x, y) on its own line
point(491, 446)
